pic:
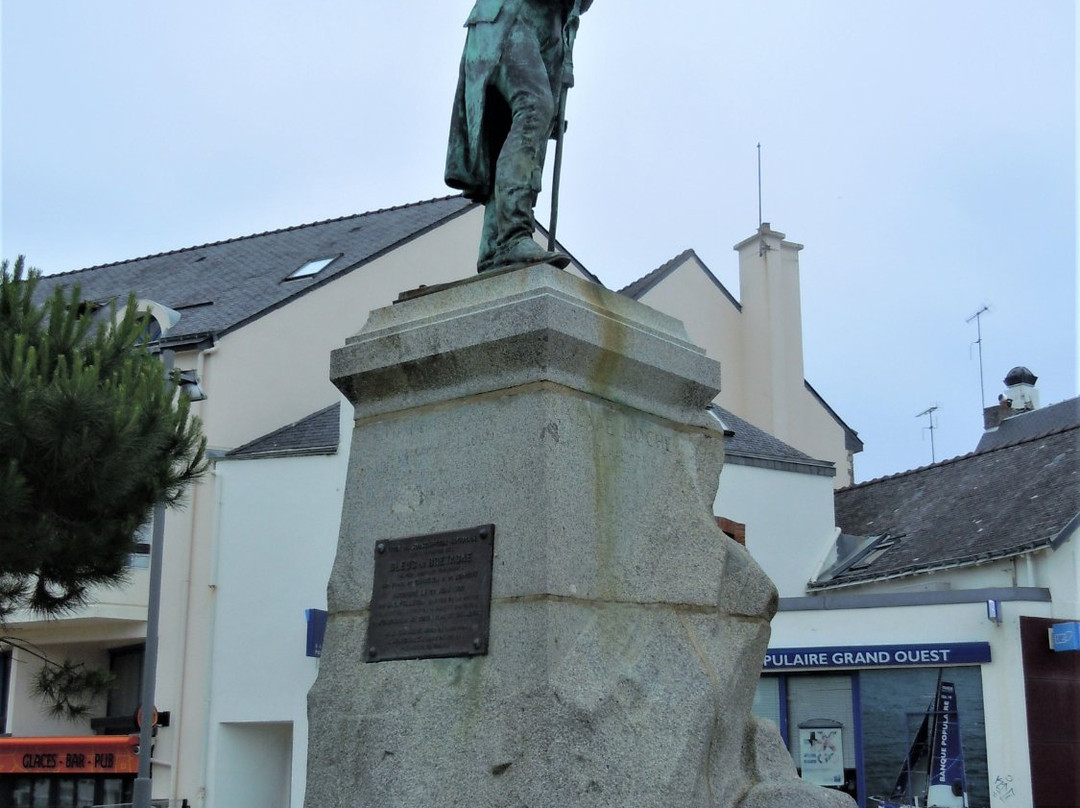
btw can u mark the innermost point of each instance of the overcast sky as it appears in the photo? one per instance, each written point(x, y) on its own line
point(923, 151)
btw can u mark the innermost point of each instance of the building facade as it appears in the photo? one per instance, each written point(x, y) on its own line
point(956, 571)
point(250, 551)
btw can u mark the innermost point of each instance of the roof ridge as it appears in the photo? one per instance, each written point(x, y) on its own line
point(952, 460)
point(647, 280)
point(257, 235)
point(646, 283)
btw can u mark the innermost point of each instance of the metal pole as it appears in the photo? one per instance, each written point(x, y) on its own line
point(140, 797)
point(977, 317)
point(560, 134)
point(929, 412)
point(933, 453)
point(759, 185)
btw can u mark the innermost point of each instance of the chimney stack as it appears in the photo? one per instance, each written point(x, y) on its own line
point(1020, 396)
point(772, 313)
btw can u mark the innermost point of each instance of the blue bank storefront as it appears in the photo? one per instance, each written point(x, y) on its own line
point(850, 714)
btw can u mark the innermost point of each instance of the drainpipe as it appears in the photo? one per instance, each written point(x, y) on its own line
point(211, 644)
point(1029, 568)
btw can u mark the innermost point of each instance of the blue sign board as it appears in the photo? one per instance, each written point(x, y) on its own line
point(316, 628)
point(1065, 637)
point(877, 656)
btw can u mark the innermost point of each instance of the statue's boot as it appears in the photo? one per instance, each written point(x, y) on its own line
point(526, 253)
point(517, 248)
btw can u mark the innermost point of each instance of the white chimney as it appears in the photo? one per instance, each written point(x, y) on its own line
point(772, 314)
point(1020, 389)
point(1020, 396)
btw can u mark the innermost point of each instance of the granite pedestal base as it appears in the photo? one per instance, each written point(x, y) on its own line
point(627, 631)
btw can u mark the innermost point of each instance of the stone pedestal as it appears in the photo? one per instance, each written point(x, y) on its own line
point(627, 632)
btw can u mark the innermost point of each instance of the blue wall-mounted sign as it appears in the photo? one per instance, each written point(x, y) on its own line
point(316, 628)
point(877, 656)
point(1065, 636)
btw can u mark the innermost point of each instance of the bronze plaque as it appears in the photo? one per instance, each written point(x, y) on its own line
point(431, 595)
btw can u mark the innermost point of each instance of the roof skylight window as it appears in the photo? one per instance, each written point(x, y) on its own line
point(876, 552)
point(312, 268)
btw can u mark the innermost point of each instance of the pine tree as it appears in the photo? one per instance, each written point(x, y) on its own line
point(91, 438)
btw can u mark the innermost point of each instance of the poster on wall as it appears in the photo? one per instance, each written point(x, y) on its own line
point(821, 755)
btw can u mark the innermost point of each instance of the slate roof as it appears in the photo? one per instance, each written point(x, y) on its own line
point(1032, 424)
point(221, 286)
point(991, 504)
point(745, 444)
point(318, 433)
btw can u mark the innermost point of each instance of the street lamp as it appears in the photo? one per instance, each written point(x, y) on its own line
point(160, 319)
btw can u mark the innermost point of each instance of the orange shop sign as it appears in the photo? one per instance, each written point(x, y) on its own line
point(92, 754)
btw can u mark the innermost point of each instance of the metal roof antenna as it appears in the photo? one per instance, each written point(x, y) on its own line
point(929, 411)
point(759, 219)
point(977, 317)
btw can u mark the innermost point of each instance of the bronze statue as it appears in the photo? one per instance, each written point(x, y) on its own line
point(514, 74)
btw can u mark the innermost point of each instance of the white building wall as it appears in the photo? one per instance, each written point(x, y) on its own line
point(1060, 571)
point(274, 546)
point(27, 712)
point(262, 376)
point(712, 322)
point(115, 618)
point(789, 520)
point(256, 766)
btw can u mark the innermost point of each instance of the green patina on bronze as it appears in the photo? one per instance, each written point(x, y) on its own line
point(515, 71)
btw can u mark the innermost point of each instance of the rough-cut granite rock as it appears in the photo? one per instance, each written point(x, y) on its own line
point(627, 632)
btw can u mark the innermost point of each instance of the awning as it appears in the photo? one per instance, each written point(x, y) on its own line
point(82, 754)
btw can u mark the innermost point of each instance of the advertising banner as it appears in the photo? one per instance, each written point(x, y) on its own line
point(96, 754)
point(821, 756)
point(877, 656)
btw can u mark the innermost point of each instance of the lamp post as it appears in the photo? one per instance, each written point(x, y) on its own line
point(140, 798)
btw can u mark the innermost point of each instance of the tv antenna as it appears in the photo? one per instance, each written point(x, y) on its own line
point(759, 185)
point(977, 317)
point(929, 412)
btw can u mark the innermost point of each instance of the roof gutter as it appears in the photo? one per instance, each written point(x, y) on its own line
point(203, 341)
point(1067, 531)
point(823, 468)
point(907, 572)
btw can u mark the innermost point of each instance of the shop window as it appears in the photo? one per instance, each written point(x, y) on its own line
point(893, 705)
point(767, 703)
point(863, 724)
point(64, 792)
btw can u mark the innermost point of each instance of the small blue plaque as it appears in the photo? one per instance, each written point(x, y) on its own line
point(1065, 637)
point(316, 628)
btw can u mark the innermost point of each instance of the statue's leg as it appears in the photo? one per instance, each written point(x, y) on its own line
point(522, 79)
